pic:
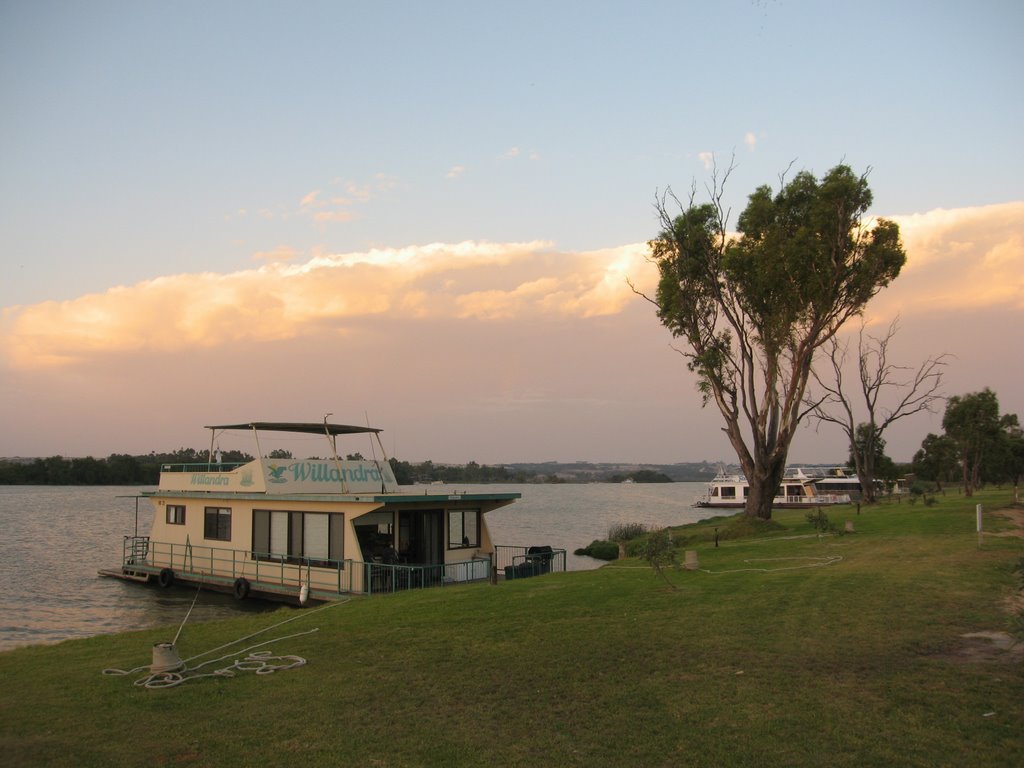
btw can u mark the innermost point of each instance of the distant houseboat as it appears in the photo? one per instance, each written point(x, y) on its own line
point(298, 529)
point(796, 490)
point(838, 480)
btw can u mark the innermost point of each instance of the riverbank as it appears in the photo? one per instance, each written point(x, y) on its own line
point(57, 538)
point(782, 650)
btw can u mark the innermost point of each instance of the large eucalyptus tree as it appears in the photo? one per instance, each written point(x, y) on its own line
point(754, 307)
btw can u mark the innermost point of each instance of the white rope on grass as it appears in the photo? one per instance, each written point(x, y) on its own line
point(261, 663)
point(177, 671)
point(821, 561)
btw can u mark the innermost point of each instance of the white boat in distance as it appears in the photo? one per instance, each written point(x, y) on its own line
point(837, 480)
point(798, 490)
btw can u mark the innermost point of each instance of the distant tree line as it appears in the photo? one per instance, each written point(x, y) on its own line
point(124, 469)
point(429, 472)
point(116, 469)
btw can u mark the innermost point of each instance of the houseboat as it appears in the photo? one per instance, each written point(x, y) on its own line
point(838, 480)
point(796, 490)
point(316, 529)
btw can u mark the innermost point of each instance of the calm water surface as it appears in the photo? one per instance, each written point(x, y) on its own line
point(54, 539)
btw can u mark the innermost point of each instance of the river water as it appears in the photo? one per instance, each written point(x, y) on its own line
point(53, 540)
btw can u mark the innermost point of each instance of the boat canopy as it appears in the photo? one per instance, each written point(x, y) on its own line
point(311, 428)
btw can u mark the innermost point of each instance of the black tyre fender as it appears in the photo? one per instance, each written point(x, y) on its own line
point(241, 588)
point(165, 578)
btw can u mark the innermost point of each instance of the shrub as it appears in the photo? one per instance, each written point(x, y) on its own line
point(660, 553)
point(626, 531)
point(601, 550)
point(820, 520)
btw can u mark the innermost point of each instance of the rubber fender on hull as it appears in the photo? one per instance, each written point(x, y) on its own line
point(241, 588)
point(165, 577)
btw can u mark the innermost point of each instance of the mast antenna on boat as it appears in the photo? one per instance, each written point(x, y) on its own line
point(332, 438)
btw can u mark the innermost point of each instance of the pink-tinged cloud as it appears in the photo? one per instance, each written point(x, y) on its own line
point(958, 259)
point(280, 254)
point(470, 280)
point(326, 216)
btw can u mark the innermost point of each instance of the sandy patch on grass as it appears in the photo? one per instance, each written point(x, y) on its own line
point(986, 647)
point(1015, 514)
point(992, 646)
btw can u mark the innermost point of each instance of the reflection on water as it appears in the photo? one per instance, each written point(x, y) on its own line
point(54, 539)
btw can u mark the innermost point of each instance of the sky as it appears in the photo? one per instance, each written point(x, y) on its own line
point(423, 216)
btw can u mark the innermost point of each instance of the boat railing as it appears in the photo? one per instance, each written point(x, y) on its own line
point(392, 577)
point(221, 565)
point(811, 500)
point(203, 466)
point(515, 561)
point(833, 498)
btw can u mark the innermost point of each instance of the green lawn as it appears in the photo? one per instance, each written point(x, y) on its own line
point(749, 662)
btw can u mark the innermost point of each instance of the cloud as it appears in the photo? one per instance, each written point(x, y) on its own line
point(339, 207)
point(750, 140)
point(514, 152)
point(279, 254)
point(455, 171)
point(959, 259)
point(280, 300)
point(707, 158)
point(336, 215)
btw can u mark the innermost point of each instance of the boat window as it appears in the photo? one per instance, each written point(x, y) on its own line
point(217, 523)
point(260, 534)
point(278, 543)
point(299, 537)
point(728, 492)
point(315, 536)
point(463, 528)
point(175, 514)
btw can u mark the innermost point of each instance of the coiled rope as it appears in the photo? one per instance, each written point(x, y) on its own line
point(168, 674)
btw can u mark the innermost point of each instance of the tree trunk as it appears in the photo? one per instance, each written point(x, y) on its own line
point(763, 489)
point(867, 482)
point(866, 474)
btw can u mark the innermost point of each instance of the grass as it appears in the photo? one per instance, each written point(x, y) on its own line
point(851, 664)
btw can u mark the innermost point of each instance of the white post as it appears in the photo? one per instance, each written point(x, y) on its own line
point(978, 513)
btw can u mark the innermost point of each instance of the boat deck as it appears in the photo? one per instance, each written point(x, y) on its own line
point(265, 590)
